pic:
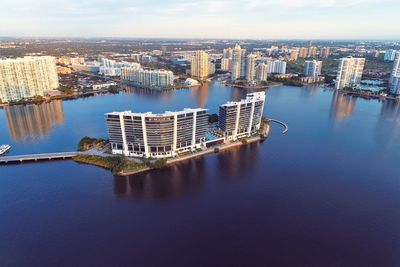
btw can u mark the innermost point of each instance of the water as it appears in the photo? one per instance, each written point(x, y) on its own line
point(327, 193)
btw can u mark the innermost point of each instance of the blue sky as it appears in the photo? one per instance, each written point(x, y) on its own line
point(258, 19)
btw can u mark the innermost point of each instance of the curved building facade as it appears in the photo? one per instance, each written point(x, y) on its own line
point(156, 135)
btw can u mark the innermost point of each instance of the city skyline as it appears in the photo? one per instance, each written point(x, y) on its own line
point(337, 19)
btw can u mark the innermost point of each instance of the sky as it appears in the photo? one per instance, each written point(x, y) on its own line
point(247, 19)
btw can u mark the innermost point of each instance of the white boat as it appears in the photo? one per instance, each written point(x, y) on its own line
point(4, 149)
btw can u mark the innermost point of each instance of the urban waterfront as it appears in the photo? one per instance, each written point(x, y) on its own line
point(326, 193)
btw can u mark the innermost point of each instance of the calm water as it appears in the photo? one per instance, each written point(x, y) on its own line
point(325, 194)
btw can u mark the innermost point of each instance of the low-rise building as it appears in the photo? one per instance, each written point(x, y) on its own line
point(152, 79)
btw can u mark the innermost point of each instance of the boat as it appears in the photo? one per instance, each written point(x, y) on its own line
point(4, 149)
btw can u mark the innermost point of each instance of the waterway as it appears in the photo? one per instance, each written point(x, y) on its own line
point(327, 193)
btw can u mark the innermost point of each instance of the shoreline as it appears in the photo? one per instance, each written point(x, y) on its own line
point(211, 150)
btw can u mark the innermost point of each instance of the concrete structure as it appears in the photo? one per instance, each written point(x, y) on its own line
point(262, 72)
point(294, 55)
point(226, 64)
point(325, 52)
point(349, 72)
point(395, 72)
point(276, 66)
point(38, 157)
point(71, 60)
point(151, 79)
point(312, 51)
point(395, 85)
point(113, 68)
point(303, 52)
point(27, 77)
point(199, 65)
point(310, 80)
point(211, 68)
point(251, 67)
point(312, 68)
point(243, 118)
point(390, 55)
point(227, 53)
point(238, 63)
point(156, 135)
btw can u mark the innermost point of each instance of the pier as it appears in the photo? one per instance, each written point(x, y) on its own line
point(286, 127)
point(37, 157)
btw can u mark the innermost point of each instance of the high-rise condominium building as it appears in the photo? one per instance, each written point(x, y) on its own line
point(325, 52)
point(243, 118)
point(303, 52)
point(395, 85)
point(227, 53)
point(276, 66)
point(226, 64)
point(312, 51)
point(349, 72)
point(199, 65)
point(152, 79)
point(251, 67)
point(262, 72)
point(312, 68)
point(27, 77)
point(211, 68)
point(156, 135)
point(238, 63)
point(395, 74)
point(294, 55)
point(390, 55)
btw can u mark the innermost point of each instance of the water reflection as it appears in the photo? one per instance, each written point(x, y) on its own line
point(342, 106)
point(168, 183)
point(30, 122)
point(388, 125)
point(234, 164)
point(200, 93)
point(164, 95)
point(309, 92)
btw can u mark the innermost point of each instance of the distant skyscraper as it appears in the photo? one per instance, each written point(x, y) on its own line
point(325, 52)
point(211, 68)
point(390, 55)
point(238, 63)
point(227, 53)
point(312, 68)
point(27, 77)
point(395, 74)
point(294, 55)
point(262, 72)
point(312, 51)
point(349, 72)
point(276, 66)
point(251, 67)
point(395, 85)
point(164, 49)
point(226, 64)
point(303, 52)
point(199, 65)
point(309, 43)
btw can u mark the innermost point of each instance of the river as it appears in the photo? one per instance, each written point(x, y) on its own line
point(327, 193)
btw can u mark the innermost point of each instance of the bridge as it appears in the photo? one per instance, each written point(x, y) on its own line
point(37, 157)
point(286, 127)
